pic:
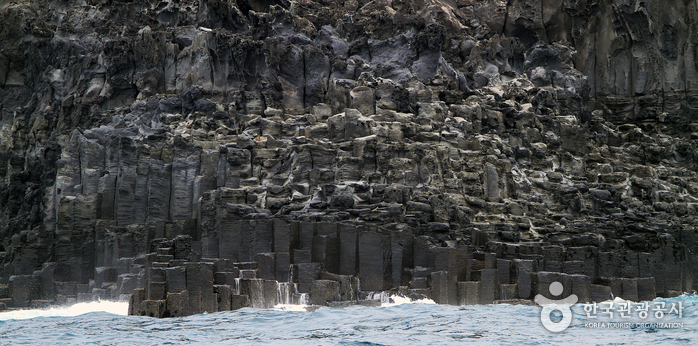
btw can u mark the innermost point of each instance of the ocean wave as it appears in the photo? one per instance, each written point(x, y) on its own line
point(117, 308)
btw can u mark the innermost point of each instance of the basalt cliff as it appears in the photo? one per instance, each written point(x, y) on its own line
point(197, 156)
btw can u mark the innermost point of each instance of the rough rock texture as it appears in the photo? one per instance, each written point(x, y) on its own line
point(211, 155)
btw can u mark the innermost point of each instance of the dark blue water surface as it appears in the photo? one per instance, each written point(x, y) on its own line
point(405, 324)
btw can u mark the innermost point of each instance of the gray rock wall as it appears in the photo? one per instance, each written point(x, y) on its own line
point(472, 151)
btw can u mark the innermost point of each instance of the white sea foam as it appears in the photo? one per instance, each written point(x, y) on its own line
point(290, 307)
point(392, 300)
point(612, 302)
point(399, 300)
point(117, 308)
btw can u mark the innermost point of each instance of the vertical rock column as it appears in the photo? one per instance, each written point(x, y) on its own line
point(375, 266)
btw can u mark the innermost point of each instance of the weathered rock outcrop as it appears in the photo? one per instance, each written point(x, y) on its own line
point(210, 155)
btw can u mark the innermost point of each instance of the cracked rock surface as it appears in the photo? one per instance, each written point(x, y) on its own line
point(209, 155)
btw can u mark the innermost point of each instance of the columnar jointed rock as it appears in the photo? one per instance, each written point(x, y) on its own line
point(207, 154)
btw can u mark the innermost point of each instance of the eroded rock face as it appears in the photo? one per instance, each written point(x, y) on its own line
point(198, 151)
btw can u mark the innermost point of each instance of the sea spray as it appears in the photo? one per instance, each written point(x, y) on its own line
point(237, 286)
point(285, 291)
point(117, 308)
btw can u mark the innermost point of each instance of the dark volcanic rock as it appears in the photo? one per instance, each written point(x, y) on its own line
point(472, 150)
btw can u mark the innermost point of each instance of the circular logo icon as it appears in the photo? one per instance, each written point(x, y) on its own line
point(551, 305)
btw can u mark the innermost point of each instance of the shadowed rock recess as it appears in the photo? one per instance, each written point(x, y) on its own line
point(211, 155)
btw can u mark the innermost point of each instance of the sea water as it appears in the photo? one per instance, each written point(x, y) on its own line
point(397, 322)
